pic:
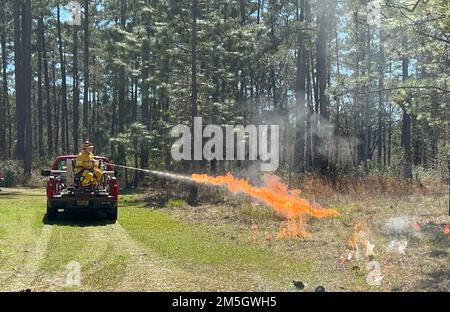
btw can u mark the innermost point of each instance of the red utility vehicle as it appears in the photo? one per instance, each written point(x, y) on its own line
point(64, 190)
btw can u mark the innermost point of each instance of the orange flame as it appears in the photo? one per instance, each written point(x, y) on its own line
point(446, 229)
point(293, 228)
point(358, 236)
point(255, 233)
point(277, 195)
point(416, 226)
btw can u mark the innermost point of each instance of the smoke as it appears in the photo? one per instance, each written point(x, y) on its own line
point(335, 148)
point(252, 172)
point(324, 140)
point(402, 226)
point(329, 143)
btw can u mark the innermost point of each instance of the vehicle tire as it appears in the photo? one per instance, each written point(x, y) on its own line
point(112, 215)
point(51, 212)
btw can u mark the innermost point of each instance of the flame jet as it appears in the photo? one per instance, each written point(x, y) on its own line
point(275, 194)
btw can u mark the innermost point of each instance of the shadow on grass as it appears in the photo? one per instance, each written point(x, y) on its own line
point(7, 191)
point(146, 201)
point(14, 194)
point(155, 203)
point(132, 190)
point(10, 194)
point(78, 219)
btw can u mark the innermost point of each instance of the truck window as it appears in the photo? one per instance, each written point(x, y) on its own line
point(62, 165)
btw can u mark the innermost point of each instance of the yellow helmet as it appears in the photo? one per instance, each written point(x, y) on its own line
point(87, 144)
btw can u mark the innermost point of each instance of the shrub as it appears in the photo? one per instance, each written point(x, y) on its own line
point(36, 180)
point(10, 170)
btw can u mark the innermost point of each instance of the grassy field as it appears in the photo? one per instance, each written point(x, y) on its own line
point(228, 246)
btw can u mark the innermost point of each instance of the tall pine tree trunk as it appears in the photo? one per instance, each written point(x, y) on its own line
point(76, 92)
point(145, 108)
point(367, 103)
point(406, 124)
point(435, 132)
point(86, 130)
point(63, 97)
point(322, 85)
point(193, 196)
point(4, 100)
point(48, 106)
point(300, 92)
point(272, 79)
point(114, 115)
point(381, 130)
point(40, 133)
point(337, 99)
point(26, 82)
point(121, 96)
point(20, 113)
point(56, 105)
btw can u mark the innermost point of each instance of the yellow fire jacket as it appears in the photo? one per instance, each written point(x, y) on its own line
point(85, 161)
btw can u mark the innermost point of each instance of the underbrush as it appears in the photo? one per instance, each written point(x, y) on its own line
point(9, 170)
point(12, 172)
point(314, 187)
point(361, 188)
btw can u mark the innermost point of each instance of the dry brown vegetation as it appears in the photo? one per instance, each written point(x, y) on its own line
point(395, 212)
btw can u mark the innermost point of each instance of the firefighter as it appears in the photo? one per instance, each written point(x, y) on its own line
point(87, 167)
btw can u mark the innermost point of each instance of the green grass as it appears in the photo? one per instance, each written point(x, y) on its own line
point(186, 250)
point(21, 222)
point(175, 249)
point(110, 268)
point(176, 203)
point(256, 212)
point(190, 245)
point(66, 244)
